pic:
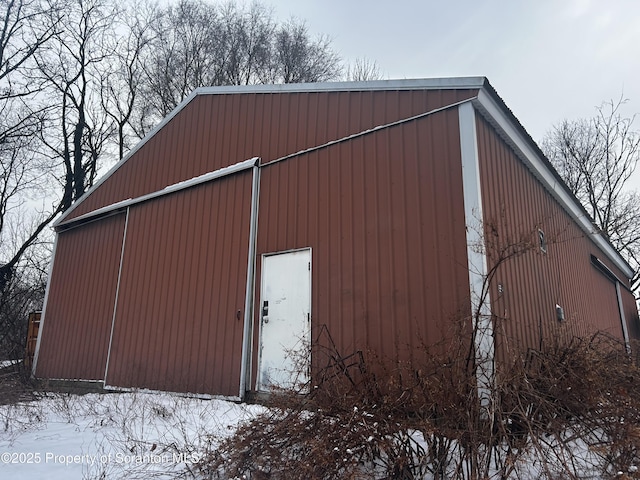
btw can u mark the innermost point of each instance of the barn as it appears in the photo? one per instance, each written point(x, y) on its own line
point(257, 221)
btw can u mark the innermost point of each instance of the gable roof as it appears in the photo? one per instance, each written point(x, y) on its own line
point(462, 83)
point(487, 102)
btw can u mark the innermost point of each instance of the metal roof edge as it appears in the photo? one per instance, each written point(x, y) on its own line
point(207, 177)
point(448, 83)
point(492, 107)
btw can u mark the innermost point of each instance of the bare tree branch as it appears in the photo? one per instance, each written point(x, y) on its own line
point(197, 44)
point(362, 70)
point(596, 158)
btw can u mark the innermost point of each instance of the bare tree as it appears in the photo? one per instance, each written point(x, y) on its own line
point(246, 42)
point(596, 157)
point(298, 58)
point(72, 70)
point(362, 70)
point(120, 81)
point(197, 44)
point(26, 29)
point(184, 55)
point(81, 79)
point(23, 293)
point(53, 125)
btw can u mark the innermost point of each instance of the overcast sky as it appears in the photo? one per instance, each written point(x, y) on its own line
point(548, 59)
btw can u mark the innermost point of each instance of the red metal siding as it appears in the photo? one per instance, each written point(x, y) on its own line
point(215, 131)
point(79, 311)
point(515, 206)
point(182, 283)
point(383, 214)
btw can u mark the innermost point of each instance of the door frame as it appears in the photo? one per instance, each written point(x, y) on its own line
point(259, 308)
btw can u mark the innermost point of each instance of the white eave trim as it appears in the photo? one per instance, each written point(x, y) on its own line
point(453, 83)
point(207, 177)
point(496, 116)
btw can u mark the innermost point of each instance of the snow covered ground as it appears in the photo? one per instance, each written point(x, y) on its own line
point(135, 435)
point(116, 435)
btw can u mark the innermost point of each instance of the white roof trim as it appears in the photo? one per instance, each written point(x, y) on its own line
point(452, 83)
point(496, 115)
point(207, 177)
point(412, 84)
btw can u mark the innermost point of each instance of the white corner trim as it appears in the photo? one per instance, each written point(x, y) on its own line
point(473, 213)
point(207, 177)
point(482, 322)
point(247, 332)
point(488, 107)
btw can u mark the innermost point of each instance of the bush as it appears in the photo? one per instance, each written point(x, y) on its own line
point(564, 411)
point(19, 297)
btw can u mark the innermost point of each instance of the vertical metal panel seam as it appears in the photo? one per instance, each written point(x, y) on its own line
point(351, 245)
point(247, 340)
point(421, 200)
point(115, 301)
point(44, 308)
point(200, 349)
point(477, 261)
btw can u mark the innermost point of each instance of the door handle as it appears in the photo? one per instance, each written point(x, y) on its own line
point(265, 311)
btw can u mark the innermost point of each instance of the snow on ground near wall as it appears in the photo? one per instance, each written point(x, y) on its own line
point(142, 435)
point(116, 435)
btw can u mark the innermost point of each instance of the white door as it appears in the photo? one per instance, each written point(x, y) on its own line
point(285, 320)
